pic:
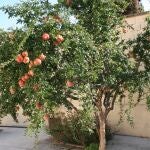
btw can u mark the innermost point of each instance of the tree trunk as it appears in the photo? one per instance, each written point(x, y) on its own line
point(136, 5)
point(102, 133)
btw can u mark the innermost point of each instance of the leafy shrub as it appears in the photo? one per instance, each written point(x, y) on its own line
point(92, 146)
point(77, 128)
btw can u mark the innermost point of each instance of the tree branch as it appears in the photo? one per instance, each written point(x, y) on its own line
point(72, 106)
point(113, 102)
point(140, 93)
point(106, 102)
point(98, 101)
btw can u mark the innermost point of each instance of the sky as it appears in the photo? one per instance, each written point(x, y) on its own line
point(5, 22)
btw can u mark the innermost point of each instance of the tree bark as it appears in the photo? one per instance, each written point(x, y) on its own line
point(136, 5)
point(102, 132)
point(101, 120)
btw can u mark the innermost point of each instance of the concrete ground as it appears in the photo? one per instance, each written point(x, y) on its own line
point(15, 139)
point(128, 143)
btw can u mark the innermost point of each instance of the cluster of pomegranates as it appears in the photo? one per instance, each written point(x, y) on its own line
point(37, 61)
point(23, 57)
point(24, 78)
point(59, 38)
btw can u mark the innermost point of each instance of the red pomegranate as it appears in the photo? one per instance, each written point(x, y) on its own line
point(19, 58)
point(69, 84)
point(21, 83)
point(26, 60)
point(42, 57)
point(31, 73)
point(37, 62)
point(25, 54)
point(26, 76)
point(45, 36)
point(23, 78)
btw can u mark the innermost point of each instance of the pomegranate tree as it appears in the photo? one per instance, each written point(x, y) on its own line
point(50, 58)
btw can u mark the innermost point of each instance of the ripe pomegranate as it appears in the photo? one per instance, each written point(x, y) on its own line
point(21, 83)
point(25, 54)
point(59, 38)
point(69, 84)
point(26, 60)
point(37, 62)
point(31, 73)
point(23, 78)
point(26, 76)
point(45, 36)
point(42, 57)
point(46, 117)
point(39, 105)
point(19, 58)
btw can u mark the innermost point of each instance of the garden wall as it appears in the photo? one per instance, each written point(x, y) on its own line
point(140, 114)
point(141, 120)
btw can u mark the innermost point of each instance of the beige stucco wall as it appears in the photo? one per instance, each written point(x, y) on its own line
point(141, 119)
point(136, 25)
point(140, 114)
point(22, 120)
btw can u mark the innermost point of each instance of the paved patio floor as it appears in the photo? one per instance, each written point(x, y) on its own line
point(15, 139)
point(128, 143)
